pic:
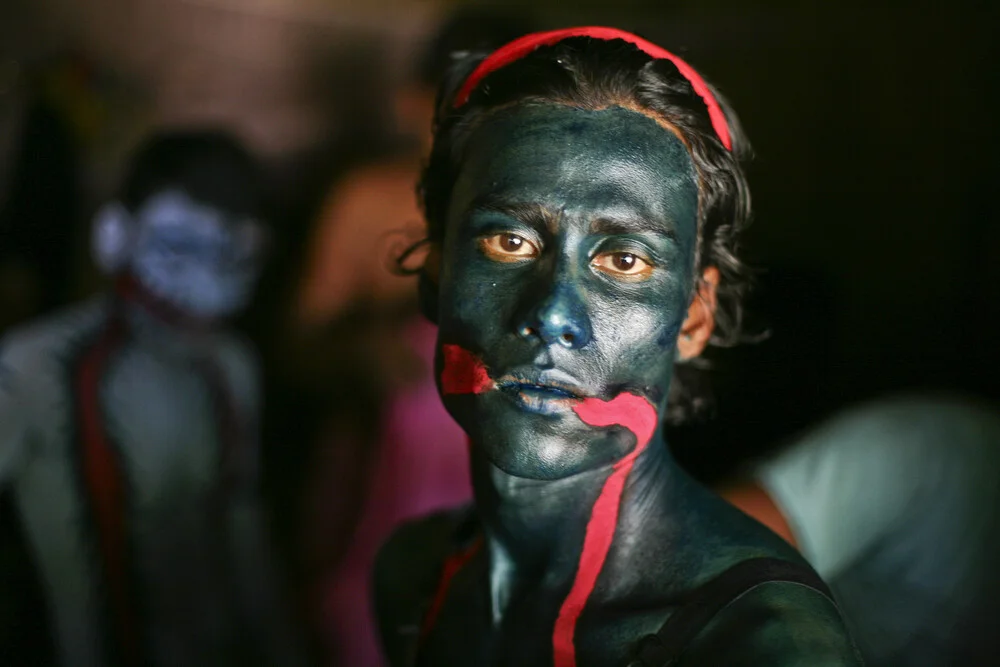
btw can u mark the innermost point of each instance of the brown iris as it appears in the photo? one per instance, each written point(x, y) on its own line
point(507, 247)
point(625, 266)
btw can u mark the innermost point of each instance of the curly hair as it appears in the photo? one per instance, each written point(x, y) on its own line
point(595, 74)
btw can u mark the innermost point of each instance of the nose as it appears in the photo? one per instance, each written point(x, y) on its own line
point(560, 319)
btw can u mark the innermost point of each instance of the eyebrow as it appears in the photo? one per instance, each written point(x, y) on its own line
point(540, 217)
point(533, 215)
point(632, 225)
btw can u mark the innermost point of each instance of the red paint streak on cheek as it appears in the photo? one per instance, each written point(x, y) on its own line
point(640, 417)
point(633, 412)
point(464, 372)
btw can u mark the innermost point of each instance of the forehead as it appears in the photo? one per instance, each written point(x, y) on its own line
point(176, 209)
point(574, 160)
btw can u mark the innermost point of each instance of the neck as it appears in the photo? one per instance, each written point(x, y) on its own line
point(557, 534)
point(151, 318)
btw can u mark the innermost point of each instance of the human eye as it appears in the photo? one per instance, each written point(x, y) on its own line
point(508, 247)
point(623, 265)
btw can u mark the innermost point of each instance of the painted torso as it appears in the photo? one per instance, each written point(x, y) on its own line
point(642, 581)
point(156, 406)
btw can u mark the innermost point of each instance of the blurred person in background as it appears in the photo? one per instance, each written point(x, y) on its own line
point(896, 503)
point(376, 203)
point(358, 331)
point(128, 427)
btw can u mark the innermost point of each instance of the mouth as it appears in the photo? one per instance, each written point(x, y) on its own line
point(542, 395)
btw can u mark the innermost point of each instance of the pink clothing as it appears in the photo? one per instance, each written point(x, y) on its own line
point(422, 466)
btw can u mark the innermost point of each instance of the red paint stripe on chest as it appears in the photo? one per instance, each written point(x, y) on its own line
point(463, 372)
point(638, 416)
point(452, 565)
point(105, 488)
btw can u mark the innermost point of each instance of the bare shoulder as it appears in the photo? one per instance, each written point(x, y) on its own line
point(779, 624)
point(12, 421)
point(45, 346)
point(37, 359)
point(36, 363)
point(407, 572)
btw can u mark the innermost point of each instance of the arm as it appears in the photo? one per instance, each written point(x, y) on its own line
point(873, 471)
point(755, 502)
point(258, 580)
point(12, 422)
point(893, 503)
point(775, 625)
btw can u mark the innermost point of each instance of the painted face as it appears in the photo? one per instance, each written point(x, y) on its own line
point(196, 257)
point(567, 269)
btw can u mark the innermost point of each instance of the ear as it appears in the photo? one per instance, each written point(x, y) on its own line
point(427, 285)
point(112, 237)
point(700, 321)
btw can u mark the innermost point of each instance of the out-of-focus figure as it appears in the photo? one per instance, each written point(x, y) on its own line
point(128, 432)
point(897, 505)
point(358, 325)
point(374, 206)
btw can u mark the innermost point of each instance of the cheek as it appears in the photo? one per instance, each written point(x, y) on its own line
point(637, 340)
point(477, 298)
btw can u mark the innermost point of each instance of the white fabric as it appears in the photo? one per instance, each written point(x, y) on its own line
point(897, 505)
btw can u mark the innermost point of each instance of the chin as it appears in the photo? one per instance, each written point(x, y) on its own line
point(532, 441)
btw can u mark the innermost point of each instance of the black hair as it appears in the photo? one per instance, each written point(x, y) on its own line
point(468, 30)
point(210, 165)
point(594, 74)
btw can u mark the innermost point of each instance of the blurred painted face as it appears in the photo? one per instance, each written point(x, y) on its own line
point(566, 272)
point(196, 257)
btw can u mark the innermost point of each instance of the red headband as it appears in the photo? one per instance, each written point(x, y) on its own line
point(524, 45)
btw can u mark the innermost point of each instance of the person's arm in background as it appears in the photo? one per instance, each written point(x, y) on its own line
point(896, 505)
point(749, 496)
point(852, 480)
point(12, 420)
point(835, 488)
point(263, 598)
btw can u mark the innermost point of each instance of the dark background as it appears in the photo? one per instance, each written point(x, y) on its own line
point(875, 227)
point(876, 230)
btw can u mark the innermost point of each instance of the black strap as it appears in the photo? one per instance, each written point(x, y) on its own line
point(667, 645)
